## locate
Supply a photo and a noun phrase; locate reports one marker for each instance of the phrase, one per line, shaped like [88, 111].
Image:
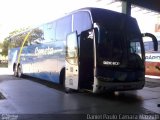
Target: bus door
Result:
[79, 61]
[71, 62]
[86, 60]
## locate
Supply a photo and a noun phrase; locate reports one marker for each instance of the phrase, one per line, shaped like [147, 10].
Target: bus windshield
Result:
[113, 48]
[135, 46]
[110, 45]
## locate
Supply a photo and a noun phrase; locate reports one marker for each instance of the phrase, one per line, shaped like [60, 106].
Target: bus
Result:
[88, 49]
[152, 60]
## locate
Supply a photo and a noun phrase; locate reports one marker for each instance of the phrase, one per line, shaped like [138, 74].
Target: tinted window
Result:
[49, 32]
[135, 46]
[17, 40]
[82, 21]
[64, 27]
[36, 36]
[110, 45]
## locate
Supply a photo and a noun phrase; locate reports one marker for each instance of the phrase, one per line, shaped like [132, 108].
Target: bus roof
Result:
[113, 20]
[99, 15]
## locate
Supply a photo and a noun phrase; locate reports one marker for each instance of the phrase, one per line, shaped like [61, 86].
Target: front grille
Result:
[119, 76]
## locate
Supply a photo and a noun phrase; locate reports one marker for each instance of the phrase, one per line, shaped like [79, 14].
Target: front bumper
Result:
[101, 86]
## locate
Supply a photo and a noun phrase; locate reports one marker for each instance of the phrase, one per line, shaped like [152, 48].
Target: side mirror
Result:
[154, 39]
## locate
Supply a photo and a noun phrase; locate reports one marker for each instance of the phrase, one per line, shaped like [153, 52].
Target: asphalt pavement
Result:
[28, 99]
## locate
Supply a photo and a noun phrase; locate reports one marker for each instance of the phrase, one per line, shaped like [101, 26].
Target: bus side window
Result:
[63, 27]
[82, 21]
[49, 32]
[36, 36]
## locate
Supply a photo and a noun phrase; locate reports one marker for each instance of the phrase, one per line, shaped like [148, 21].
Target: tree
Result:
[1, 46]
[16, 38]
[8, 44]
[5, 47]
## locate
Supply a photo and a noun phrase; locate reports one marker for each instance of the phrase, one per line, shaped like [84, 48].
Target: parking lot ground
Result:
[29, 99]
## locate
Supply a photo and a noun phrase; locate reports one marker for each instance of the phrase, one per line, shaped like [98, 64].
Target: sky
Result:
[15, 14]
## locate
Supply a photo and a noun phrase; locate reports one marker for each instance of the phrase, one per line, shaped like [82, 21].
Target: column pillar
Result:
[126, 7]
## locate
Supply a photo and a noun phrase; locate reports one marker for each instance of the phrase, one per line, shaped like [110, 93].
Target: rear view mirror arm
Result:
[154, 39]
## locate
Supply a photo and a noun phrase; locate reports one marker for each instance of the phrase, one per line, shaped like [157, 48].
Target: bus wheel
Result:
[19, 71]
[15, 72]
[67, 90]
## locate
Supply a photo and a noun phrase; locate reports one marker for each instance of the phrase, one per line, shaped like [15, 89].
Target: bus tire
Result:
[62, 76]
[14, 70]
[19, 71]
[68, 90]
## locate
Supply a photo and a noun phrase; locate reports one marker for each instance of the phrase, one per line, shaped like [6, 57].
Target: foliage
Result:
[1, 45]
[16, 38]
[7, 43]
[5, 47]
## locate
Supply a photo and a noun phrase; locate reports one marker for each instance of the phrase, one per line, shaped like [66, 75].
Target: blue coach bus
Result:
[90, 48]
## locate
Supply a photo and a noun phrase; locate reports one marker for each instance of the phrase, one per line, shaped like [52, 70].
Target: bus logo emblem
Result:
[114, 63]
